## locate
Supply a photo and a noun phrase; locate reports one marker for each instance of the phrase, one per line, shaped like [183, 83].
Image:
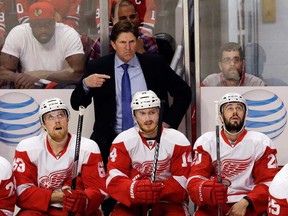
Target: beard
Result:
[233, 74]
[233, 127]
[59, 135]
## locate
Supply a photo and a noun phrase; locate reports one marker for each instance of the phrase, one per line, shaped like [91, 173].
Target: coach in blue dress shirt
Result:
[102, 82]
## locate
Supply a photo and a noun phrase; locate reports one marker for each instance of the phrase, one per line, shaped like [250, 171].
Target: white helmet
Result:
[143, 100]
[51, 105]
[229, 98]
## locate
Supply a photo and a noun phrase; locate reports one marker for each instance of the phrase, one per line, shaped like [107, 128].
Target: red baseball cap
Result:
[61, 6]
[41, 11]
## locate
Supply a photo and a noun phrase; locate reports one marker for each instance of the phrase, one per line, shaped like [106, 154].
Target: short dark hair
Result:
[121, 27]
[121, 3]
[230, 46]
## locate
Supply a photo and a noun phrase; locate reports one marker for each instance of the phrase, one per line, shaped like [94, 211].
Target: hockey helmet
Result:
[144, 99]
[230, 98]
[52, 104]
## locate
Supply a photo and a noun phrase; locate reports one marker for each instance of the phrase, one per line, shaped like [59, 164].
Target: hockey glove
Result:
[74, 201]
[145, 192]
[212, 193]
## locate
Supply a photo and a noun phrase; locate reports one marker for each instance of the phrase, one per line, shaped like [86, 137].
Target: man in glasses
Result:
[231, 64]
[43, 167]
[125, 10]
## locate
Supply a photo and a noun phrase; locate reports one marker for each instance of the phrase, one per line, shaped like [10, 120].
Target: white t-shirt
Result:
[33, 55]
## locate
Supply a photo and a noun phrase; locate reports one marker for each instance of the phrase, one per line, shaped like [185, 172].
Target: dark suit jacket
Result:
[159, 77]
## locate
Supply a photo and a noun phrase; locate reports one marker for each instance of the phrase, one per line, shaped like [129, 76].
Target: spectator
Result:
[147, 14]
[125, 10]
[231, 64]
[67, 11]
[102, 82]
[44, 164]
[131, 163]
[7, 188]
[247, 163]
[43, 51]
[278, 194]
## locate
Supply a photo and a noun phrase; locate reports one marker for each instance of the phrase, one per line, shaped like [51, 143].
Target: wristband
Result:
[250, 204]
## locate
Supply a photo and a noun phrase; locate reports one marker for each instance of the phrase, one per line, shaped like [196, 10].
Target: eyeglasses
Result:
[53, 116]
[131, 17]
[235, 60]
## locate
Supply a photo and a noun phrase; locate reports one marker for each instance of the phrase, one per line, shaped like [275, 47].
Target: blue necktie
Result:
[127, 120]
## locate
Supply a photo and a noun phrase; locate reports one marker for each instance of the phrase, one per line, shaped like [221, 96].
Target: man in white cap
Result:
[44, 164]
[247, 165]
[131, 161]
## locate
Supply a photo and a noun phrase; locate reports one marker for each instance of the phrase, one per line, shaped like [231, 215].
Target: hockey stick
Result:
[218, 162]
[156, 153]
[77, 150]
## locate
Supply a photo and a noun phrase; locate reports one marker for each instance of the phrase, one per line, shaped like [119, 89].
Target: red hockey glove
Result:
[145, 192]
[213, 193]
[74, 201]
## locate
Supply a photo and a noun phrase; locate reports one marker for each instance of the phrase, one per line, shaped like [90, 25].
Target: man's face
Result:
[127, 13]
[233, 116]
[147, 120]
[43, 30]
[56, 124]
[231, 65]
[125, 46]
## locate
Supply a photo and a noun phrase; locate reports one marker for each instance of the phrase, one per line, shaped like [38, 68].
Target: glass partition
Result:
[260, 27]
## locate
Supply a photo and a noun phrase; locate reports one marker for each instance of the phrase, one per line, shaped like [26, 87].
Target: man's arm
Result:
[8, 72]
[175, 185]
[93, 176]
[29, 195]
[70, 74]
[264, 170]
[76, 63]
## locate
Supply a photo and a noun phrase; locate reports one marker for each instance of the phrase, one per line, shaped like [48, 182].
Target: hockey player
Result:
[248, 164]
[131, 160]
[278, 194]
[43, 167]
[7, 188]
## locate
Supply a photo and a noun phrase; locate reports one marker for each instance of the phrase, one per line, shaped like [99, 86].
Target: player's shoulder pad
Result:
[259, 138]
[279, 182]
[174, 136]
[32, 143]
[89, 145]
[127, 135]
[6, 169]
[206, 139]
